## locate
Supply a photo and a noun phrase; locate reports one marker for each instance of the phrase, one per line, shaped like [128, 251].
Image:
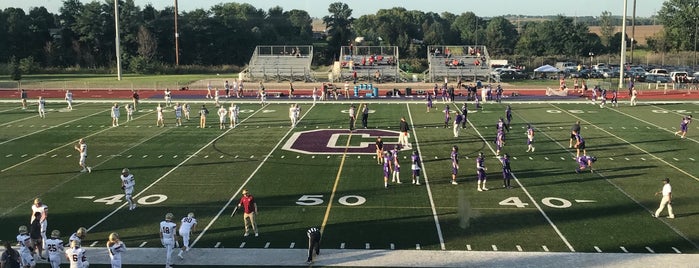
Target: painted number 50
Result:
[317, 199]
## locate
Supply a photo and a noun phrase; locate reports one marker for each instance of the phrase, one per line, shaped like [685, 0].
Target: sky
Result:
[319, 8]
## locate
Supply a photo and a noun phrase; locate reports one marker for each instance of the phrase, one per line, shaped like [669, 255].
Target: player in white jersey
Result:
[42, 208]
[292, 115]
[69, 99]
[76, 256]
[188, 226]
[235, 89]
[115, 247]
[25, 247]
[81, 147]
[168, 97]
[233, 115]
[115, 115]
[160, 122]
[54, 249]
[78, 236]
[129, 112]
[178, 114]
[42, 107]
[127, 184]
[222, 117]
[168, 237]
[186, 109]
[216, 97]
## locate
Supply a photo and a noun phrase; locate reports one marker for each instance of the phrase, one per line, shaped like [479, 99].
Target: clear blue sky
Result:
[489, 8]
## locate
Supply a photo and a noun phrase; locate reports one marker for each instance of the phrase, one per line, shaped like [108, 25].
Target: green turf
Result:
[200, 170]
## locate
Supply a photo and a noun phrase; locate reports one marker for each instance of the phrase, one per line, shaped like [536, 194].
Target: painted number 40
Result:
[146, 200]
[553, 202]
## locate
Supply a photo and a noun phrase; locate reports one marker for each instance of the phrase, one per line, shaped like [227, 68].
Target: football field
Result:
[321, 174]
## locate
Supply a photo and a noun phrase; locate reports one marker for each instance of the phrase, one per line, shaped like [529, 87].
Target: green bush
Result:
[28, 65]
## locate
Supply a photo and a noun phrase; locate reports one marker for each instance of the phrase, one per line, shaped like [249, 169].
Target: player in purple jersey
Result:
[415, 160]
[575, 129]
[603, 98]
[386, 168]
[447, 116]
[480, 171]
[508, 116]
[454, 163]
[530, 138]
[429, 102]
[585, 162]
[684, 125]
[579, 145]
[464, 112]
[500, 125]
[615, 100]
[457, 123]
[506, 172]
[396, 165]
[499, 141]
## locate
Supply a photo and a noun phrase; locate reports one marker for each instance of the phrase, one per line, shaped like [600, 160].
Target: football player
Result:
[222, 117]
[480, 170]
[76, 256]
[25, 247]
[78, 236]
[115, 115]
[69, 99]
[233, 115]
[396, 165]
[115, 248]
[585, 162]
[416, 167]
[54, 247]
[127, 184]
[160, 122]
[188, 226]
[42, 107]
[168, 237]
[454, 164]
[178, 114]
[81, 147]
[530, 138]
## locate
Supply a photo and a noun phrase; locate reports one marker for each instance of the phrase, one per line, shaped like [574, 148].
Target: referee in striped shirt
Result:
[313, 243]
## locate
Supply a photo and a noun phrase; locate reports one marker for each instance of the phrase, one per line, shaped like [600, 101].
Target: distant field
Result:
[642, 31]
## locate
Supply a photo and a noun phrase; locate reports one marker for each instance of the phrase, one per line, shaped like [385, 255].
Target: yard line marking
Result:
[9, 124]
[217, 244]
[393, 246]
[417, 246]
[292, 245]
[366, 246]
[495, 248]
[545, 248]
[442, 245]
[45, 129]
[650, 250]
[242, 245]
[144, 156]
[142, 244]
[236, 194]
[691, 159]
[342, 245]
[676, 250]
[93, 244]
[468, 247]
[624, 249]
[519, 248]
[267, 244]
[598, 249]
[643, 159]
[649, 123]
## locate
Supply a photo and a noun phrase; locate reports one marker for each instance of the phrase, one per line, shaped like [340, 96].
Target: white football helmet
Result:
[191, 215]
[23, 229]
[113, 237]
[81, 232]
[125, 171]
[169, 216]
[55, 234]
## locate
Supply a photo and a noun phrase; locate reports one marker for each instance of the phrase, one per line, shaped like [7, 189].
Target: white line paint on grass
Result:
[45, 129]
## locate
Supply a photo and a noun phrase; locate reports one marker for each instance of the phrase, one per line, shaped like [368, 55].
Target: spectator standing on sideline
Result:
[187, 228]
[313, 243]
[666, 200]
[574, 130]
[365, 115]
[249, 212]
[227, 88]
[115, 115]
[291, 90]
[69, 99]
[415, 159]
[54, 249]
[352, 117]
[168, 237]
[115, 247]
[315, 95]
[403, 138]
[346, 89]
[208, 90]
[454, 164]
[134, 98]
[23, 96]
[203, 112]
[506, 172]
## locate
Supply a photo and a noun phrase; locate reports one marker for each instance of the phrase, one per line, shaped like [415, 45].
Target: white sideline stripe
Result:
[677, 231]
[45, 129]
[168, 173]
[442, 245]
[54, 149]
[264, 160]
[526, 192]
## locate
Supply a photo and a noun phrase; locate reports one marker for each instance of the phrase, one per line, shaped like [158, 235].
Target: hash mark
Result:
[393, 246]
[242, 245]
[160, 156]
[9, 155]
[174, 156]
[417, 246]
[366, 246]
[519, 248]
[624, 249]
[267, 245]
[24, 155]
[650, 250]
[220, 156]
[495, 248]
[342, 245]
[142, 244]
[206, 156]
[691, 159]
[468, 247]
[626, 158]
[675, 159]
[676, 250]
[144, 156]
[129, 156]
[218, 244]
[292, 245]
[546, 157]
[545, 248]
[598, 249]
[54, 156]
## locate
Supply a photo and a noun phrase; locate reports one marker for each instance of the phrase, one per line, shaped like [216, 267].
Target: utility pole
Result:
[623, 47]
[177, 39]
[117, 41]
[633, 29]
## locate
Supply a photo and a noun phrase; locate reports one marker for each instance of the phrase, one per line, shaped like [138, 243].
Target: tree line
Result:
[82, 35]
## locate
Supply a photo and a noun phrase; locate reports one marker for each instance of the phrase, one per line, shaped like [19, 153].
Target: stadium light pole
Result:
[177, 39]
[117, 41]
[623, 46]
[633, 29]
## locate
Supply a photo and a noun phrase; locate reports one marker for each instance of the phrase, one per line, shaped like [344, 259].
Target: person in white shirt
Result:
[233, 115]
[42, 107]
[168, 237]
[168, 97]
[222, 117]
[129, 112]
[78, 236]
[115, 247]
[666, 200]
[69, 99]
[127, 184]
[188, 227]
[54, 247]
[42, 208]
[634, 94]
[161, 118]
[216, 97]
[292, 115]
[115, 115]
[187, 109]
[178, 114]
[81, 147]
[25, 244]
[76, 256]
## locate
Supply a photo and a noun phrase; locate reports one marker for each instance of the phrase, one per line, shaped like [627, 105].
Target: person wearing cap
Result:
[249, 212]
[666, 200]
[168, 237]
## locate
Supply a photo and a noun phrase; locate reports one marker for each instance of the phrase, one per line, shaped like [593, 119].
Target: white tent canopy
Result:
[546, 69]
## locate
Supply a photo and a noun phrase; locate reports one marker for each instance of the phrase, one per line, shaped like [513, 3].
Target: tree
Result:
[680, 19]
[606, 28]
[339, 27]
[147, 44]
[500, 36]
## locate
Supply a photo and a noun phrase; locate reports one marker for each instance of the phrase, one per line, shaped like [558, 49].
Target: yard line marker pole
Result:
[169, 172]
[235, 195]
[427, 184]
[526, 192]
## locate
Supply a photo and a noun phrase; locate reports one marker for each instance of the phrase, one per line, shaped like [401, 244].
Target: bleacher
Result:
[373, 64]
[279, 63]
[454, 61]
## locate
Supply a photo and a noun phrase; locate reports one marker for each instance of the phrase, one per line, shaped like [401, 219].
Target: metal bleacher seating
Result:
[279, 63]
[372, 63]
[454, 61]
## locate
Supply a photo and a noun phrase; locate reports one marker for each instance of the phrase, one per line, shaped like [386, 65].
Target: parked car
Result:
[510, 75]
[657, 78]
[606, 72]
